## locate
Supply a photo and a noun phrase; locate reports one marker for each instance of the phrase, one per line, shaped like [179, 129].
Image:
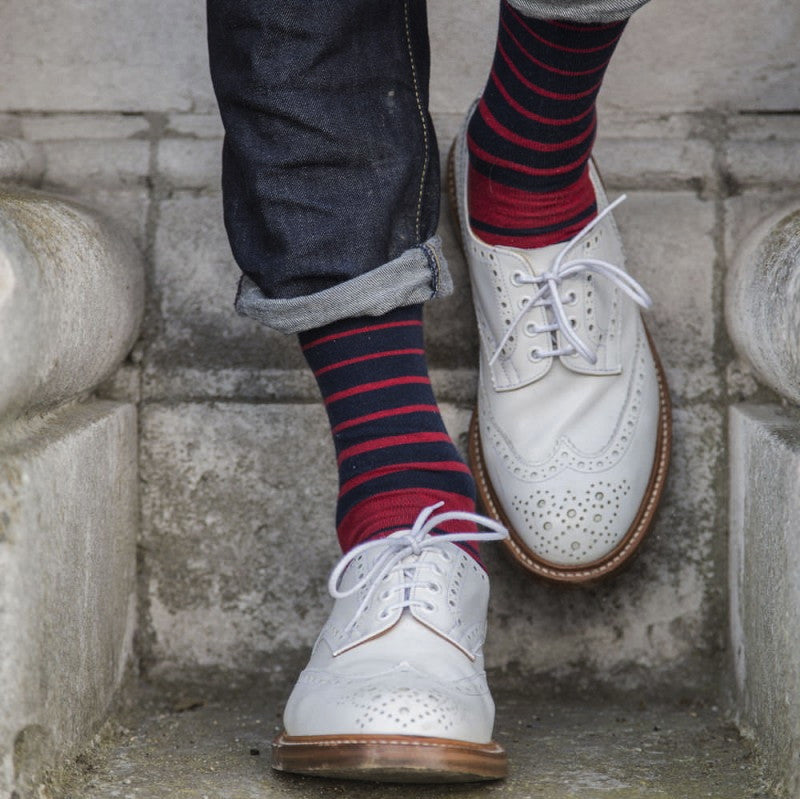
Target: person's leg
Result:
[531, 136]
[331, 204]
[330, 167]
[570, 443]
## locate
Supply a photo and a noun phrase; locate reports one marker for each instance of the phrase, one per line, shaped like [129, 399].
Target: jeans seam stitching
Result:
[433, 265]
[418, 222]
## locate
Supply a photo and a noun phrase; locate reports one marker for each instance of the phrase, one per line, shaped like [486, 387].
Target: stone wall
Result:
[236, 468]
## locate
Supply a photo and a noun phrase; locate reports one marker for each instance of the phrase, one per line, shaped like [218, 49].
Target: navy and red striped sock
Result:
[394, 454]
[531, 135]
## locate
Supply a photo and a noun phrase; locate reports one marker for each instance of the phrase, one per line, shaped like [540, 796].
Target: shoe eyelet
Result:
[571, 299]
[430, 607]
[384, 595]
[434, 588]
[534, 354]
[383, 615]
[523, 301]
[516, 278]
[531, 329]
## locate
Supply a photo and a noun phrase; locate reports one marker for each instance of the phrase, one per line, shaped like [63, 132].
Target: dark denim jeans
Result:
[330, 164]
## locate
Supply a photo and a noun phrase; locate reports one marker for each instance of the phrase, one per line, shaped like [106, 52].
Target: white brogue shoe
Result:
[395, 689]
[571, 438]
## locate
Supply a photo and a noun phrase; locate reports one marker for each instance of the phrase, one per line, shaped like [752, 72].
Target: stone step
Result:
[765, 581]
[203, 742]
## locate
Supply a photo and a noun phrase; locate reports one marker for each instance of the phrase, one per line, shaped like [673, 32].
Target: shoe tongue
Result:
[538, 260]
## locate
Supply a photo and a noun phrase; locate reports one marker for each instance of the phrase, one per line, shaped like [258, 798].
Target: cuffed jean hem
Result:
[581, 11]
[418, 275]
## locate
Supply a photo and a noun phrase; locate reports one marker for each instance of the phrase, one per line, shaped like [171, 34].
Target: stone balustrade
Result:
[71, 300]
[763, 314]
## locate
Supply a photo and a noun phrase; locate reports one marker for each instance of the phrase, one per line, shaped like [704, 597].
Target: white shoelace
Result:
[548, 284]
[399, 546]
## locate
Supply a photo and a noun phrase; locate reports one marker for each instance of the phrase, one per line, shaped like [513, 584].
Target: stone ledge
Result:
[765, 582]
[71, 300]
[68, 525]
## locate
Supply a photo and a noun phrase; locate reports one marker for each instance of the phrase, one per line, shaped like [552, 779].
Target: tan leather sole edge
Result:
[389, 758]
[627, 548]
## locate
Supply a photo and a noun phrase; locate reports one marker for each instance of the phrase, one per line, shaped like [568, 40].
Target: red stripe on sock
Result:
[434, 466]
[390, 441]
[505, 206]
[530, 114]
[397, 510]
[527, 170]
[561, 47]
[359, 330]
[370, 357]
[515, 210]
[549, 67]
[540, 90]
[560, 23]
[372, 417]
[376, 386]
[542, 147]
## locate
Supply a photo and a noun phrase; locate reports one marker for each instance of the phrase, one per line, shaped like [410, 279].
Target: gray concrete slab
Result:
[238, 540]
[765, 581]
[68, 520]
[197, 744]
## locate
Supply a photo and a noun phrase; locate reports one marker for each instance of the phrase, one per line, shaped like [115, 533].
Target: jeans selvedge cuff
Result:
[580, 11]
[418, 275]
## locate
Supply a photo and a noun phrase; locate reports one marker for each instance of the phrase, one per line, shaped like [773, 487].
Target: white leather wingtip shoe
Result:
[395, 689]
[570, 441]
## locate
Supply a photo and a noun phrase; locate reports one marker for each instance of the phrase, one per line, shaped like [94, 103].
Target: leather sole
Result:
[389, 758]
[622, 554]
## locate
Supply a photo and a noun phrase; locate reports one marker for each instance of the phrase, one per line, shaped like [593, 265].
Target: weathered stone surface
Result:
[125, 56]
[107, 163]
[66, 127]
[150, 56]
[68, 523]
[746, 210]
[71, 297]
[195, 285]
[238, 531]
[758, 163]
[239, 539]
[201, 126]
[736, 58]
[561, 745]
[191, 163]
[669, 242]
[20, 161]
[765, 581]
[657, 163]
[763, 301]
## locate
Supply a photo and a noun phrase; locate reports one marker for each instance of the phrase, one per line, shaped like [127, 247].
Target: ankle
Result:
[388, 512]
[512, 217]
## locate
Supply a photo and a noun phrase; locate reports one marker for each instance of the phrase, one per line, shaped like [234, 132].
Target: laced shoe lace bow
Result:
[548, 284]
[396, 548]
